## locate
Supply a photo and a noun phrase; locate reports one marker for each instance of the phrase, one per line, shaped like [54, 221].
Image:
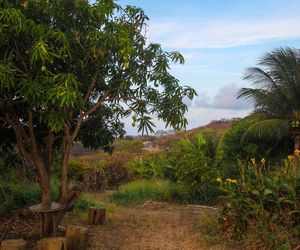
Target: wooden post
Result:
[15, 244]
[52, 243]
[96, 216]
[77, 237]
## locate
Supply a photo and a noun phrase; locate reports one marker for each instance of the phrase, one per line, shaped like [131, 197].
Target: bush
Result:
[18, 195]
[76, 170]
[109, 173]
[263, 206]
[236, 148]
[116, 171]
[133, 146]
[17, 192]
[84, 204]
[151, 166]
[195, 168]
[94, 176]
[139, 191]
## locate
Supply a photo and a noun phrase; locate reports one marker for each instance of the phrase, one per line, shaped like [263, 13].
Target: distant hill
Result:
[135, 144]
[218, 126]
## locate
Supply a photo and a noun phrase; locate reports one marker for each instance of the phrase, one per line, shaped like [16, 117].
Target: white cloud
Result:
[222, 33]
[199, 116]
[226, 98]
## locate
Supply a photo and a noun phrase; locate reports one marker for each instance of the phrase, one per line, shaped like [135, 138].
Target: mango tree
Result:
[71, 70]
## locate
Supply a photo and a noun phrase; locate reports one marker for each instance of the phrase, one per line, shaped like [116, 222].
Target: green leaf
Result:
[267, 192]
[7, 77]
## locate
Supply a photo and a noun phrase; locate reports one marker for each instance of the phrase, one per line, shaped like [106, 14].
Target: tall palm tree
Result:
[276, 95]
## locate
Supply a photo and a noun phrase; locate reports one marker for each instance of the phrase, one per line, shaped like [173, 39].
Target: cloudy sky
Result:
[219, 40]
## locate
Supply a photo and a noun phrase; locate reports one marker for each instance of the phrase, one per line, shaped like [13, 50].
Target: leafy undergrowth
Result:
[137, 192]
[16, 191]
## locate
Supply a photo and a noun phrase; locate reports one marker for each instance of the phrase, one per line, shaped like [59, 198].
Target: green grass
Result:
[16, 191]
[137, 192]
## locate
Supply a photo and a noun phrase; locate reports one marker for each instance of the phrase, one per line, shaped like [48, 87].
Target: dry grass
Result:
[153, 225]
[170, 227]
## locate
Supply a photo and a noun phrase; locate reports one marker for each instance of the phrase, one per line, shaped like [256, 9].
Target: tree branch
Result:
[18, 134]
[91, 86]
[31, 132]
[87, 113]
[101, 99]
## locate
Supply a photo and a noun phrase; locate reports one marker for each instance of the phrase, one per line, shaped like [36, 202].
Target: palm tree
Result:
[276, 95]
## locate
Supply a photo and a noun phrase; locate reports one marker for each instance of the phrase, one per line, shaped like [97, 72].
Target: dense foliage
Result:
[73, 70]
[190, 162]
[263, 205]
[275, 95]
[235, 147]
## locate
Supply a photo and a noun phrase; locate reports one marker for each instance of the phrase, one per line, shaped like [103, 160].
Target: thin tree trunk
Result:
[64, 170]
[44, 180]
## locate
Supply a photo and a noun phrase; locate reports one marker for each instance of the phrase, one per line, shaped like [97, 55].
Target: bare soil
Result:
[153, 225]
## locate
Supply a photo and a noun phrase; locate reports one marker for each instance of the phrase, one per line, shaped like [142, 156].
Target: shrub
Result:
[109, 173]
[84, 204]
[194, 168]
[263, 206]
[133, 146]
[76, 170]
[139, 191]
[116, 171]
[236, 148]
[94, 176]
[17, 192]
[18, 195]
[152, 166]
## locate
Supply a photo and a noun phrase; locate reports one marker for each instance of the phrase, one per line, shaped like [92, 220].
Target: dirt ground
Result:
[152, 225]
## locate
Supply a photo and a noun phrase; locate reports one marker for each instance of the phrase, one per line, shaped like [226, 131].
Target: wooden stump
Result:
[52, 243]
[77, 237]
[96, 216]
[16, 244]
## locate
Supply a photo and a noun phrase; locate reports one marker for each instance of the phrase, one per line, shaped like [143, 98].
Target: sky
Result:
[219, 39]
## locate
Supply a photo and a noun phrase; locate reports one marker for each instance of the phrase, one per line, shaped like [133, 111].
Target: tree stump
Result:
[77, 237]
[52, 243]
[96, 216]
[15, 244]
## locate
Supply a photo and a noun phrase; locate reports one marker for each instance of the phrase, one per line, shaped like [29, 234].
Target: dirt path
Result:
[152, 226]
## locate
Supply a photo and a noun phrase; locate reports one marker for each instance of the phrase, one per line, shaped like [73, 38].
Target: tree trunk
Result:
[96, 216]
[77, 237]
[64, 170]
[53, 243]
[44, 181]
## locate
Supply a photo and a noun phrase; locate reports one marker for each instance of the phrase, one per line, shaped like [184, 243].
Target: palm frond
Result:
[268, 129]
[260, 78]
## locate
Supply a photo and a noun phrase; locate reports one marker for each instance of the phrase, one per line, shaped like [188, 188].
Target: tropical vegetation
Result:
[71, 71]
